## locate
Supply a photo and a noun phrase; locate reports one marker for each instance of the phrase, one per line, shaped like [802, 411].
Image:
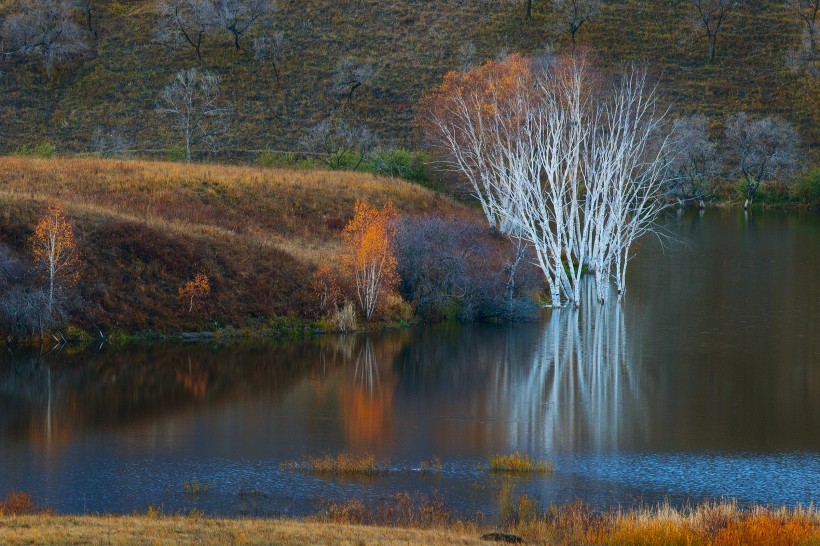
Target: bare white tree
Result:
[576, 173]
[762, 149]
[266, 49]
[187, 22]
[709, 17]
[572, 14]
[807, 55]
[194, 103]
[693, 160]
[237, 16]
[46, 30]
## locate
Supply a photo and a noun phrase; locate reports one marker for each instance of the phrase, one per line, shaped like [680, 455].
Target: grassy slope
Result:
[413, 43]
[147, 227]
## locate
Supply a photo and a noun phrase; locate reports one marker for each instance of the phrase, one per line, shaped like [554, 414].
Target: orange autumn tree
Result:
[473, 116]
[368, 256]
[195, 292]
[55, 254]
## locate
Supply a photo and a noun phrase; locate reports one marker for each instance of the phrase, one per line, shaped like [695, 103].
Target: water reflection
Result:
[697, 384]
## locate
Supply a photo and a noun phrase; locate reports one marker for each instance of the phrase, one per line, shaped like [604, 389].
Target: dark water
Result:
[705, 383]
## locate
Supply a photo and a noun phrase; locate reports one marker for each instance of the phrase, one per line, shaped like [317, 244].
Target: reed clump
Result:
[516, 463]
[343, 464]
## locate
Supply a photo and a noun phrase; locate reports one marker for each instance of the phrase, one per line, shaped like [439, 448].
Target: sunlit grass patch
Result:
[516, 463]
[343, 464]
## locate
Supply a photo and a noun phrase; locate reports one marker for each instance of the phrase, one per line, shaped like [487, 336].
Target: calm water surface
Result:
[705, 383]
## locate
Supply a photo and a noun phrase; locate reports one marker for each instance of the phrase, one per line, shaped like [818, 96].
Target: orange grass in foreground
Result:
[718, 524]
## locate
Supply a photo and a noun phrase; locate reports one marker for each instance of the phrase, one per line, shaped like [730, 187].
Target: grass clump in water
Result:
[343, 464]
[517, 463]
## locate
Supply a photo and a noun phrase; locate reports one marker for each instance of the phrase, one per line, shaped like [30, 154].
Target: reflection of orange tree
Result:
[366, 396]
[193, 380]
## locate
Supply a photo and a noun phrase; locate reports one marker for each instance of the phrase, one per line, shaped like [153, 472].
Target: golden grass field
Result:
[145, 228]
[720, 524]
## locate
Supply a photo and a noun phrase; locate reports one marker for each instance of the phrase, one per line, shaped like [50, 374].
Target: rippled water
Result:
[704, 383]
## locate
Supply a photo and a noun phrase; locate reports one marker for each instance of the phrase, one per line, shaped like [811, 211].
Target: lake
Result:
[704, 383]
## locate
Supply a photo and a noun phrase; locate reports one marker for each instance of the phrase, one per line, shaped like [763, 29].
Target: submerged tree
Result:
[368, 256]
[46, 30]
[762, 149]
[555, 161]
[193, 101]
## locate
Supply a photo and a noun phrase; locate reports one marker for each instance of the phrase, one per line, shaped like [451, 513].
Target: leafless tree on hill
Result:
[350, 76]
[572, 14]
[46, 30]
[89, 9]
[237, 16]
[807, 55]
[193, 101]
[336, 142]
[187, 22]
[709, 18]
[266, 49]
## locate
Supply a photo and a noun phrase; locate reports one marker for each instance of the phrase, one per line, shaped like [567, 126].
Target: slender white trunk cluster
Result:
[578, 174]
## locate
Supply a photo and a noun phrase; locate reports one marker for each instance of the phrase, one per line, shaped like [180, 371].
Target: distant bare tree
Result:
[187, 21]
[193, 101]
[89, 9]
[693, 160]
[335, 143]
[572, 14]
[237, 16]
[762, 149]
[466, 56]
[45, 29]
[268, 48]
[709, 16]
[111, 143]
[350, 76]
[807, 56]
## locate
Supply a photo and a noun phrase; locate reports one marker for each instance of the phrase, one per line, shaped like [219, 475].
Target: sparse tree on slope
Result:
[187, 22]
[572, 14]
[46, 30]
[237, 16]
[807, 55]
[709, 17]
[193, 101]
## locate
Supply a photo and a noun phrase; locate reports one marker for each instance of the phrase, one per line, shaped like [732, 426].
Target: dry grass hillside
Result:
[412, 44]
[145, 228]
